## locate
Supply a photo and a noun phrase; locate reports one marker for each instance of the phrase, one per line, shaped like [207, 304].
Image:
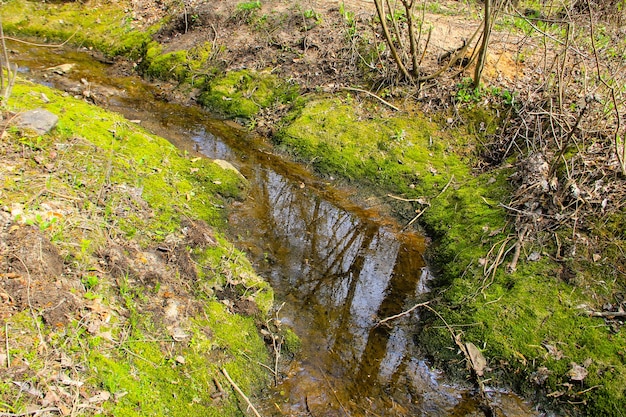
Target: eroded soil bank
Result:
[527, 299]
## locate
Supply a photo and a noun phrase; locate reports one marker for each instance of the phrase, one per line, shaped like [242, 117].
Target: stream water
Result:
[337, 267]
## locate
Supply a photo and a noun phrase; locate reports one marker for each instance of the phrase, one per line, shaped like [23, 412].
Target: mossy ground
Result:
[106, 26]
[148, 334]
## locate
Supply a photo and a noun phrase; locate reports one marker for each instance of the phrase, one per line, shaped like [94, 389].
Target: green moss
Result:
[145, 167]
[151, 380]
[106, 26]
[244, 93]
[191, 66]
[292, 341]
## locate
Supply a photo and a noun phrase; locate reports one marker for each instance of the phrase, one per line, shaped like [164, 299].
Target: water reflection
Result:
[341, 272]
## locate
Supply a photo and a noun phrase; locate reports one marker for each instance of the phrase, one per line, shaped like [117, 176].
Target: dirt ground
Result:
[317, 43]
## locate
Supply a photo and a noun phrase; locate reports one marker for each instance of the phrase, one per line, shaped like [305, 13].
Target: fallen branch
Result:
[372, 95]
[31, 413]
[404, 313]
[240, 392]
[606, 313]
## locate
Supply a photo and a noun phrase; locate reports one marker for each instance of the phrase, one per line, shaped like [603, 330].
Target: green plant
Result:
[248, 6]
[41, 222]
[312, 14]
[466, 92]
[90, 281]
[350, 20]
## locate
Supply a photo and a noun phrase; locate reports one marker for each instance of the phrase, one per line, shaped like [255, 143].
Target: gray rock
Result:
[228, 166]
[39, 120]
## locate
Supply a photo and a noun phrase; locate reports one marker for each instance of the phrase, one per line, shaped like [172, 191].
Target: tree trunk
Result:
[482, 53]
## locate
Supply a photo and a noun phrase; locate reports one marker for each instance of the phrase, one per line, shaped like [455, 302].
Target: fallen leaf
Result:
[100, 397]
[553, 351]
[28, 388]
[478, 361]
[66, 380]
[61, 69]
[577, 373]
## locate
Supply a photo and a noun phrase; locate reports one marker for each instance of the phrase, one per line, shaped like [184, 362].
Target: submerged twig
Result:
[404, 313]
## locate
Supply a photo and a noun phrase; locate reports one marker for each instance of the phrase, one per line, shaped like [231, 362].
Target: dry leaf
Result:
[28, 388]
[478, 361]
[66, 380]
[100, 398]
[577, 373]
[553, 351]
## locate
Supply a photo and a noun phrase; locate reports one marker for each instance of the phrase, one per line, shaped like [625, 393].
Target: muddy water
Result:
[337, 268]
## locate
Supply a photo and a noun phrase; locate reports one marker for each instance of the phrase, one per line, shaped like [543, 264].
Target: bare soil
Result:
[316, 44]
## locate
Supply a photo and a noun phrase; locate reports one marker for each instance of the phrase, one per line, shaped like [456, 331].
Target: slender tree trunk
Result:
[408, 8]
[482, 53]
[394, 52]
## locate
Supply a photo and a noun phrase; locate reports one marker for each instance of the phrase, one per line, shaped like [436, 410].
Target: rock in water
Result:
[39, 120]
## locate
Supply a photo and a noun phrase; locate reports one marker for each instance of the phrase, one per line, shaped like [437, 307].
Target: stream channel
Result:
[336, 268]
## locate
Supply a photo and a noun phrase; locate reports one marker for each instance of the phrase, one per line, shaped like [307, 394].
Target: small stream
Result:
[337, 267]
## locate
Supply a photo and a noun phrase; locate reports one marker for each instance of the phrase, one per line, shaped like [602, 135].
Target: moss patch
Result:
[245, 93]
[106, 26]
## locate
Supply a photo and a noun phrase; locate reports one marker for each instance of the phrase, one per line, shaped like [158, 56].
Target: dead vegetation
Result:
[568, 133]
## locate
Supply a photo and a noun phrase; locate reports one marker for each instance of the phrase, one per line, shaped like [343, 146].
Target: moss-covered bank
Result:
[134, 259]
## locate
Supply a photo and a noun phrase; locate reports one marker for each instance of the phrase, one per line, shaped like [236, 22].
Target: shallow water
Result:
[337, 267]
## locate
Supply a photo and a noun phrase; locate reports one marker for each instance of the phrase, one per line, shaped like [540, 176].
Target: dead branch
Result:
[606, 313]
[32, 412]
[240, 392]
[371, 95]
[404, 313]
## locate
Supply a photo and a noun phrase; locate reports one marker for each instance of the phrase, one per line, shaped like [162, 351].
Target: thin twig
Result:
[414, 219]
[372, 95]
[446, 187]
[240, 392]
[404, 313]
[418, 215]
[31, 413]
[334, 391]
[6, 339]
[42, 45]
[30, 306]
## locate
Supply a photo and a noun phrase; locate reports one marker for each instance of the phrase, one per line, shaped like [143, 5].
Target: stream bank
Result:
[336, 269]
[545, 339]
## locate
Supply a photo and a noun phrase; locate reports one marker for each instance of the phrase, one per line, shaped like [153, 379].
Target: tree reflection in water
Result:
[340, 272]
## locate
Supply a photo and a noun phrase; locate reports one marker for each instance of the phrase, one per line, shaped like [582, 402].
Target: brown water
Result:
[337, 267]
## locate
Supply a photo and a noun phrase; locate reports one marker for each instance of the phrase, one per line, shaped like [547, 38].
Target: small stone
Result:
[40, 120]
